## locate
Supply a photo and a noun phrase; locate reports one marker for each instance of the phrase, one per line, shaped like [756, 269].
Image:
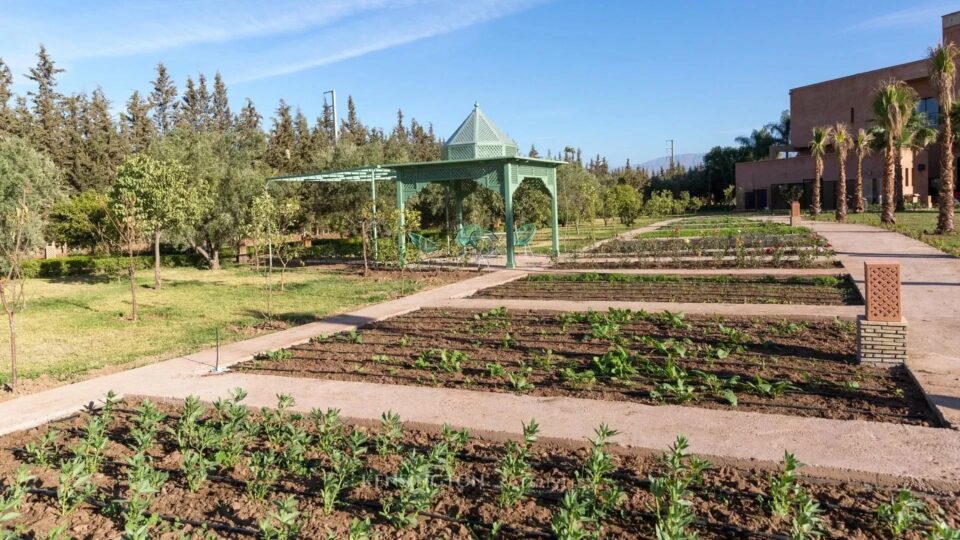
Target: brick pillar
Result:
[795, 213]
[882, 330]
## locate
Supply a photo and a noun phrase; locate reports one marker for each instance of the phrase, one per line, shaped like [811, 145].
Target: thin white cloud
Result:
[388, 29]
[905, 18]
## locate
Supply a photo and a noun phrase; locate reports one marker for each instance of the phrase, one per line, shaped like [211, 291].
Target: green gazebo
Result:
[477, 151]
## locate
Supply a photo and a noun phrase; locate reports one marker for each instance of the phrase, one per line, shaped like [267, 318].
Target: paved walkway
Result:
[931, 303]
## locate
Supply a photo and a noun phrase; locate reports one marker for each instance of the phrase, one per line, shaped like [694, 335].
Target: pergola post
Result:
[373, 198]
[507, 191]
[458, 202]
[401, 226]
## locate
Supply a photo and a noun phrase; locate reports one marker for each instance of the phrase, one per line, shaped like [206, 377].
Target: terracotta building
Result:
[849, 99]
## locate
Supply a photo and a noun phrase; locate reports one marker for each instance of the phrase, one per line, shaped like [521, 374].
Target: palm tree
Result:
[943, 71]
[861, 147]
[892, 109]
[916, 135]
[841, 143]
[780, 129]
[818, 147]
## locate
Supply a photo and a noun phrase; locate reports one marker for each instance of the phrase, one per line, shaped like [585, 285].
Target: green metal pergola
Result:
[477, 151]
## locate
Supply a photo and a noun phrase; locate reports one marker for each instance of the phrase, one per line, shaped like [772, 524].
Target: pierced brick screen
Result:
[883, 292]
[795, 209]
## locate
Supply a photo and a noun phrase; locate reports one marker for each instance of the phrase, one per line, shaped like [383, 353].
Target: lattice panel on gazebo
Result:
[883, 292]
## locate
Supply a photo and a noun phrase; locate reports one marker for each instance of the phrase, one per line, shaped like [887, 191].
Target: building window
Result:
[851, 115]
[930, 107]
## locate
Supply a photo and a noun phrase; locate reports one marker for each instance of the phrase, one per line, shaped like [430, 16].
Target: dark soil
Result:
[816, 290]
[556, 351]
[726, 503]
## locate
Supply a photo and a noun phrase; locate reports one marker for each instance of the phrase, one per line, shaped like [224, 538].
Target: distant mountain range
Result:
[687, 160]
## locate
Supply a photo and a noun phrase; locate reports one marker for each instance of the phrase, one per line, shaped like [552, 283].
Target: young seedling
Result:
[519, 379]
[615, 364]
[515, 475]
[284, 522]
[807, 523]
[600, 490]
[388, 441]
[90, 449]
[265, 471]
[570, 521]
[344, 474]
[195, 468]
[144, 483]
[11, 499]
[359, 530]
[147, 424]
[783, 486]
[415, 491]
[671, 491]
[902, 514]
[75, 485]
[43, 452]
[495, 371]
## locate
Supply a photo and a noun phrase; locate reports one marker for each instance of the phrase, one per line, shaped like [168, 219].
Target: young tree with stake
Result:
[29, 186]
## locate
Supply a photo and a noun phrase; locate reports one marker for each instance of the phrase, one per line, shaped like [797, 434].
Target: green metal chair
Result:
[484, 243]
[462, 239]
[425, 246]
[523, 237]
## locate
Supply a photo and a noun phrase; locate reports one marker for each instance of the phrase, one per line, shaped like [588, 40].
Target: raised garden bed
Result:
[816, 290]
[767, 365]
[747, 250]
[142, 470]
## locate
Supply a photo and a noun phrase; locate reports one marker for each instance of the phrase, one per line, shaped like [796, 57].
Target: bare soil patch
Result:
[463, 479]
[804, 368]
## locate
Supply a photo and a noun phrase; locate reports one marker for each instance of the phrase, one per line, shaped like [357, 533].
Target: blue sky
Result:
[617, 77]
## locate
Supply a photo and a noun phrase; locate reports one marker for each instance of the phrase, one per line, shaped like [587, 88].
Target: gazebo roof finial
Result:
[478, 138]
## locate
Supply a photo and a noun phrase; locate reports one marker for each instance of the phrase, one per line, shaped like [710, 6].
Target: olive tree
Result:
[29, 186]
[164, 197]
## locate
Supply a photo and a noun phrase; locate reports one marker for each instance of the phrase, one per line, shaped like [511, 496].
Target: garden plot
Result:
[753, 289]
[743, 250]
[139, 469]
[767, 365]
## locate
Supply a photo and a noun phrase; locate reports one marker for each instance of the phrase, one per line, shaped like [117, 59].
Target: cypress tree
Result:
[203, 120]
[46, 106]
[280, 146]
[104, 147]
[220, 113]
[6, 113]
[140, 129]
[164, 100]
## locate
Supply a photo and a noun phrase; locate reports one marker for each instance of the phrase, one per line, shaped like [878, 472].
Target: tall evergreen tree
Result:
[73, 160]
[249, 119]
[533, 152]
[352, 129]
[220, 115]
[104, 147]
[304, 153]
[140, 130]
[163, 98]
[280, 145]
[47, 115]
[6, 113]
[203, 104]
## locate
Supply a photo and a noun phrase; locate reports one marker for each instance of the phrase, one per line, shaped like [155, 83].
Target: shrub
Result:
[84, 265]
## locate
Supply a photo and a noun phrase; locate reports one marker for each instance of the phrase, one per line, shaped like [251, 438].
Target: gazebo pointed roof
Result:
[478, 138]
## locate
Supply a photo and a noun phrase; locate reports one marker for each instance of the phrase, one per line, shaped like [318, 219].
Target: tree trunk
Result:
[9, 308]
[945, 218]
[132, 275]
[898, 196]
[841, 213]
[156, 259]
[215, 260]
[886, 215]
[815, 199]
[858, 204]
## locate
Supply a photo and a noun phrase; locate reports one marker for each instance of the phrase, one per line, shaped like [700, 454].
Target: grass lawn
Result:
[571, 240]
[915, 224]
[72, 326]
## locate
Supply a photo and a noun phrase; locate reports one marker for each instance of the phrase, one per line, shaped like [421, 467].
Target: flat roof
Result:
[905, 65]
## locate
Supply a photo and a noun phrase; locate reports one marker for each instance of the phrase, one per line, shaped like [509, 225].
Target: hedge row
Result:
[99, 266]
